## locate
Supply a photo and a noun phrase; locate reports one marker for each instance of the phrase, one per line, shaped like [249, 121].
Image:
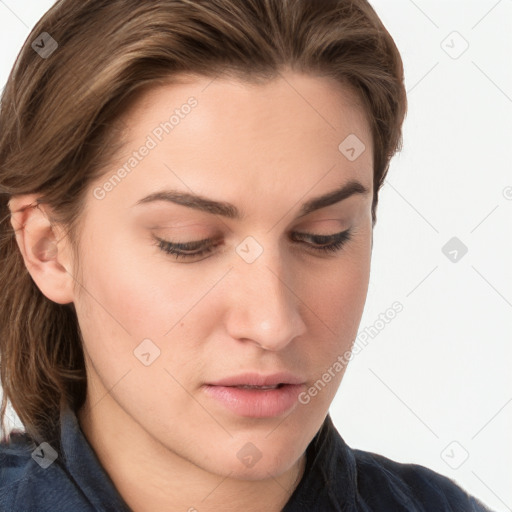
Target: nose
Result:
[264, 307]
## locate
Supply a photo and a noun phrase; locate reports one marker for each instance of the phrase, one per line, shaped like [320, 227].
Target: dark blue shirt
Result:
[70, 477]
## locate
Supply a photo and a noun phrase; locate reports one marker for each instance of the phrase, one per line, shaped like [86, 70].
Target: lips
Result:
[255, 395]
[259, 387]
[259, 380]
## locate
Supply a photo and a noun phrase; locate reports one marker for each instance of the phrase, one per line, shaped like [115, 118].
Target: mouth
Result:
[256, 396]
[246, 386]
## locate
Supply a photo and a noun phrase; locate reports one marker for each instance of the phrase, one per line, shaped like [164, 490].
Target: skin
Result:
[266, 149]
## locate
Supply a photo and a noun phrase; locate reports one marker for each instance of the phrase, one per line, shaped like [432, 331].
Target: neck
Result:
[149, 476]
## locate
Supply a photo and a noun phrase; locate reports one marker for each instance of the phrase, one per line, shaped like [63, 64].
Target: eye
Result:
[195, 249]
[181, 250]
[327, 243]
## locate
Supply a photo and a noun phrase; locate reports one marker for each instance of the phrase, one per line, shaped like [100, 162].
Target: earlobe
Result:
[45, 255]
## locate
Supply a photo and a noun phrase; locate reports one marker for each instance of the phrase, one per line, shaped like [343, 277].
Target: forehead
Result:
[217, 137]
[291, 97]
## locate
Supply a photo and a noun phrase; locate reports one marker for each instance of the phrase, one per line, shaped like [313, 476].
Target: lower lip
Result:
[255, 403]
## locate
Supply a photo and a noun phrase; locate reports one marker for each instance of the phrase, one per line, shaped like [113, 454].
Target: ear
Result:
[44, 247]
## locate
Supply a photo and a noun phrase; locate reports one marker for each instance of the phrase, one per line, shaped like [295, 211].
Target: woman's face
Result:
[162, 332]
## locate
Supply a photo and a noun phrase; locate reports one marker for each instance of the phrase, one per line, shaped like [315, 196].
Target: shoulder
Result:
[28, 484]
[15, 457]
[410, 485]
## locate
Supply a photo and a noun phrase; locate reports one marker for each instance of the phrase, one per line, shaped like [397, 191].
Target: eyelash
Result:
[338, 241]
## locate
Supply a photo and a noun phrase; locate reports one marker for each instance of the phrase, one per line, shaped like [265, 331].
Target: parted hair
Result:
[58, 132]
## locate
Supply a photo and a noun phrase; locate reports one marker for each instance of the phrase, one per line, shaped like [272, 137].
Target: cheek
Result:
[338, 295]
[126, 301]
[347, 297]
[131, 288]
[134, 294]
[335, 302]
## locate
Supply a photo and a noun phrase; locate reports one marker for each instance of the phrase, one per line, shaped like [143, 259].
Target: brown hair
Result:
[57, 133]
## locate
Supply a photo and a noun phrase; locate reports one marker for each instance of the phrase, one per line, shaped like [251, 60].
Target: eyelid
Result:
[194, 244]
[331, 243]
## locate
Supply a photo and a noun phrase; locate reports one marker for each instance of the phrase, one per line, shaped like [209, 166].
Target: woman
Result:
[189, 195]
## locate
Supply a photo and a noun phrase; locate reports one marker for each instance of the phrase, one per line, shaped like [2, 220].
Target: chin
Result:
[256, 461]
[263, 470]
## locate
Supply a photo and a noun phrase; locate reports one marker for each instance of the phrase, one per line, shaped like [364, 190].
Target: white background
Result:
[433, 386]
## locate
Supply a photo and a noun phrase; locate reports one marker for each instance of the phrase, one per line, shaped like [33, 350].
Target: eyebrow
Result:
[231, 211]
